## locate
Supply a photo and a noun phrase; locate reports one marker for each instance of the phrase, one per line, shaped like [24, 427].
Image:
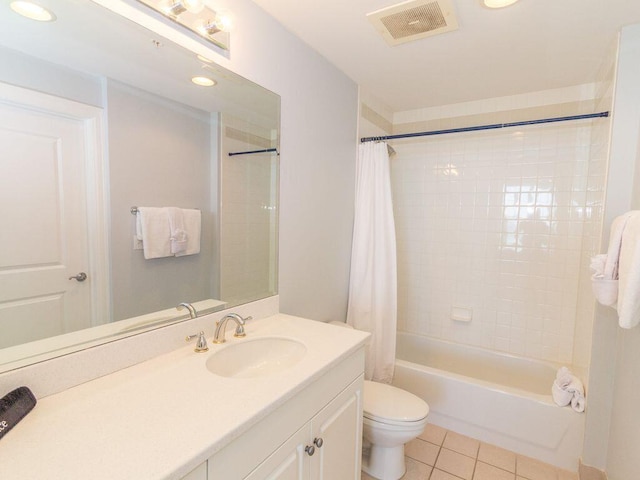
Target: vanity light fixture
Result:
[176, 7]
[32, 11]
[203, 81]
[207, 23]
[498, 3]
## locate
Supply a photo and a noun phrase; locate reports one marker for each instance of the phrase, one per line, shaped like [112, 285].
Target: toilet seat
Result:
[392, 406]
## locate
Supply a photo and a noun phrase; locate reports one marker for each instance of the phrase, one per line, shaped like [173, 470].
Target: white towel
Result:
[152, 227]
[629, 273]
[178, 234]
[615, 243]
[568, 389]
[192, 225]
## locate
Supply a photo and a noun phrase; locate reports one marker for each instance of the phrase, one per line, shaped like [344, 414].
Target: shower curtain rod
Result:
[251, 152]
[484, 127]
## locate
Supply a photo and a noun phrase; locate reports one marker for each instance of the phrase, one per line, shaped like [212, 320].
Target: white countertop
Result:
[161, 418]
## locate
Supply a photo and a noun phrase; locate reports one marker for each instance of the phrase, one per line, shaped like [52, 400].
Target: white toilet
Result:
[391, 418]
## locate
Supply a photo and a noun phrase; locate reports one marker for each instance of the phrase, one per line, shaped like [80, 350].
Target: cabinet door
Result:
[339, 426]
[289, 462]
[198, 473]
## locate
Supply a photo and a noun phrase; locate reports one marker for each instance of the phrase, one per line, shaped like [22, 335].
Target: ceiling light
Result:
[32, 11]
[498, 3]
[203, 81]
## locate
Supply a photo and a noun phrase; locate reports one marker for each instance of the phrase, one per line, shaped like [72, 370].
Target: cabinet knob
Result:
[318, 442]
[310, 450]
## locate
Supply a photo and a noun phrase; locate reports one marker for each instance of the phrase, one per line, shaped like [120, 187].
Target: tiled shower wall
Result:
[490, 225]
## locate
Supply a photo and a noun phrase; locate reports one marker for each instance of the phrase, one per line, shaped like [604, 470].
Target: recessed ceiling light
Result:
[203, 81]
[204, 59]
[498, 3]
[32, 11]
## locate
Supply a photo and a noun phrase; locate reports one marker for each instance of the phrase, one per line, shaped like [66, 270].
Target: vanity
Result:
[171, 418]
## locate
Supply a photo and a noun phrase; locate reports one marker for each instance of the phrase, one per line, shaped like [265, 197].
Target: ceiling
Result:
[530, 46]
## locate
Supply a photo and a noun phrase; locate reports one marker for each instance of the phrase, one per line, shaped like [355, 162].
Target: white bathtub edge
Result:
[497, 416]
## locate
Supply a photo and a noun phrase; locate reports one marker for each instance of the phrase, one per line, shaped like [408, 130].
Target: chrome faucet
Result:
[218, 336]
[188, 306]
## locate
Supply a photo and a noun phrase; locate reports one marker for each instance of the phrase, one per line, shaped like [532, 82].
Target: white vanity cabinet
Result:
[315, 435]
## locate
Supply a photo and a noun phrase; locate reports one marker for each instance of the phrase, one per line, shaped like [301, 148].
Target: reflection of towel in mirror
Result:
[178, 234]
[192, 226]
[152, 227]
[568, 389]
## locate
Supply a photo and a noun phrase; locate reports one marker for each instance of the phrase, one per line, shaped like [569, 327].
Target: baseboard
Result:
[585, 472]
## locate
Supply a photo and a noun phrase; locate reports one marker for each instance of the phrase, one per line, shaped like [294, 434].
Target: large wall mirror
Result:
[97, 116]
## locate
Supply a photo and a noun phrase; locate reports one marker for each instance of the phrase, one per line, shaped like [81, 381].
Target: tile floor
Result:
[440, 454]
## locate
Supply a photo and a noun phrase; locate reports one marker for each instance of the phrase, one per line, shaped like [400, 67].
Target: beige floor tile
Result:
[488, 472]
[440, 475]
[498, 457]
[416, 470]
[532, 469]
[433, 434]
[422, 451]
[564, 475]
[459, 443]
[455, 463]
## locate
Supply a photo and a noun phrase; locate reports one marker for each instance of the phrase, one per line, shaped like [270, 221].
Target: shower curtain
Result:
[373, 280]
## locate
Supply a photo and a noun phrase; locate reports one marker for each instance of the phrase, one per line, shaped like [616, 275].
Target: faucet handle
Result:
[201, 344]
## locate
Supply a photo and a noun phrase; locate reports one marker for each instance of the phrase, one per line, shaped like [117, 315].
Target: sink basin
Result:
[256, 358]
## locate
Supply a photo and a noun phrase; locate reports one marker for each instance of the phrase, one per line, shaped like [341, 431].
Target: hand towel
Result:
[629, 273]
[576, 389]
[615, 243]
[192, 225]
[152, 227]
[178, 236]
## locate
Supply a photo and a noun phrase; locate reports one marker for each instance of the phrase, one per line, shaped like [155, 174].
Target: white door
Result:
[43, 215]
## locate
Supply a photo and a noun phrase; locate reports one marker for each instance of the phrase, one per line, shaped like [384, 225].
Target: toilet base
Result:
[385, 463]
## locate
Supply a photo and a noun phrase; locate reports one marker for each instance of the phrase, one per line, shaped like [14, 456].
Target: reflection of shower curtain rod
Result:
[251, 152]
[485, 127]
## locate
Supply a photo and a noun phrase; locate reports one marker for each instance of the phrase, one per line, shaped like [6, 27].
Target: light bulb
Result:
[193, 6]
[224, 21]
[32, 11]
[498, 3]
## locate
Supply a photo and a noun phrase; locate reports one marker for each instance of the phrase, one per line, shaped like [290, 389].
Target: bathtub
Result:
[494, 397]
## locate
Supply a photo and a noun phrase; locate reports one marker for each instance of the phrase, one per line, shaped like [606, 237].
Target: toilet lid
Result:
[386, 402]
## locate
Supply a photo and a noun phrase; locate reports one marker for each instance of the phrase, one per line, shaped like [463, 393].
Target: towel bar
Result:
[134, 210]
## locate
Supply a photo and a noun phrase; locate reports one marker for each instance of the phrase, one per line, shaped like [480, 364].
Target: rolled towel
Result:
[578, 403]
[560, 395]
[567, 389]
[576, 389]
[564, 377]
[598, 263]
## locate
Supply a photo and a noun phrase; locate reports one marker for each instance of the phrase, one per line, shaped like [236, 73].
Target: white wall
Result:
[615, 379]
[159, 155]
[317, 164]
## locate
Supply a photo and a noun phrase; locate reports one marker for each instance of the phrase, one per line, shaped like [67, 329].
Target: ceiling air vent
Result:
[413, 20]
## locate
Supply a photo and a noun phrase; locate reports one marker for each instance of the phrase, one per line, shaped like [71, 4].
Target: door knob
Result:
[318, 442]
[310, 450]
[81, 277]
